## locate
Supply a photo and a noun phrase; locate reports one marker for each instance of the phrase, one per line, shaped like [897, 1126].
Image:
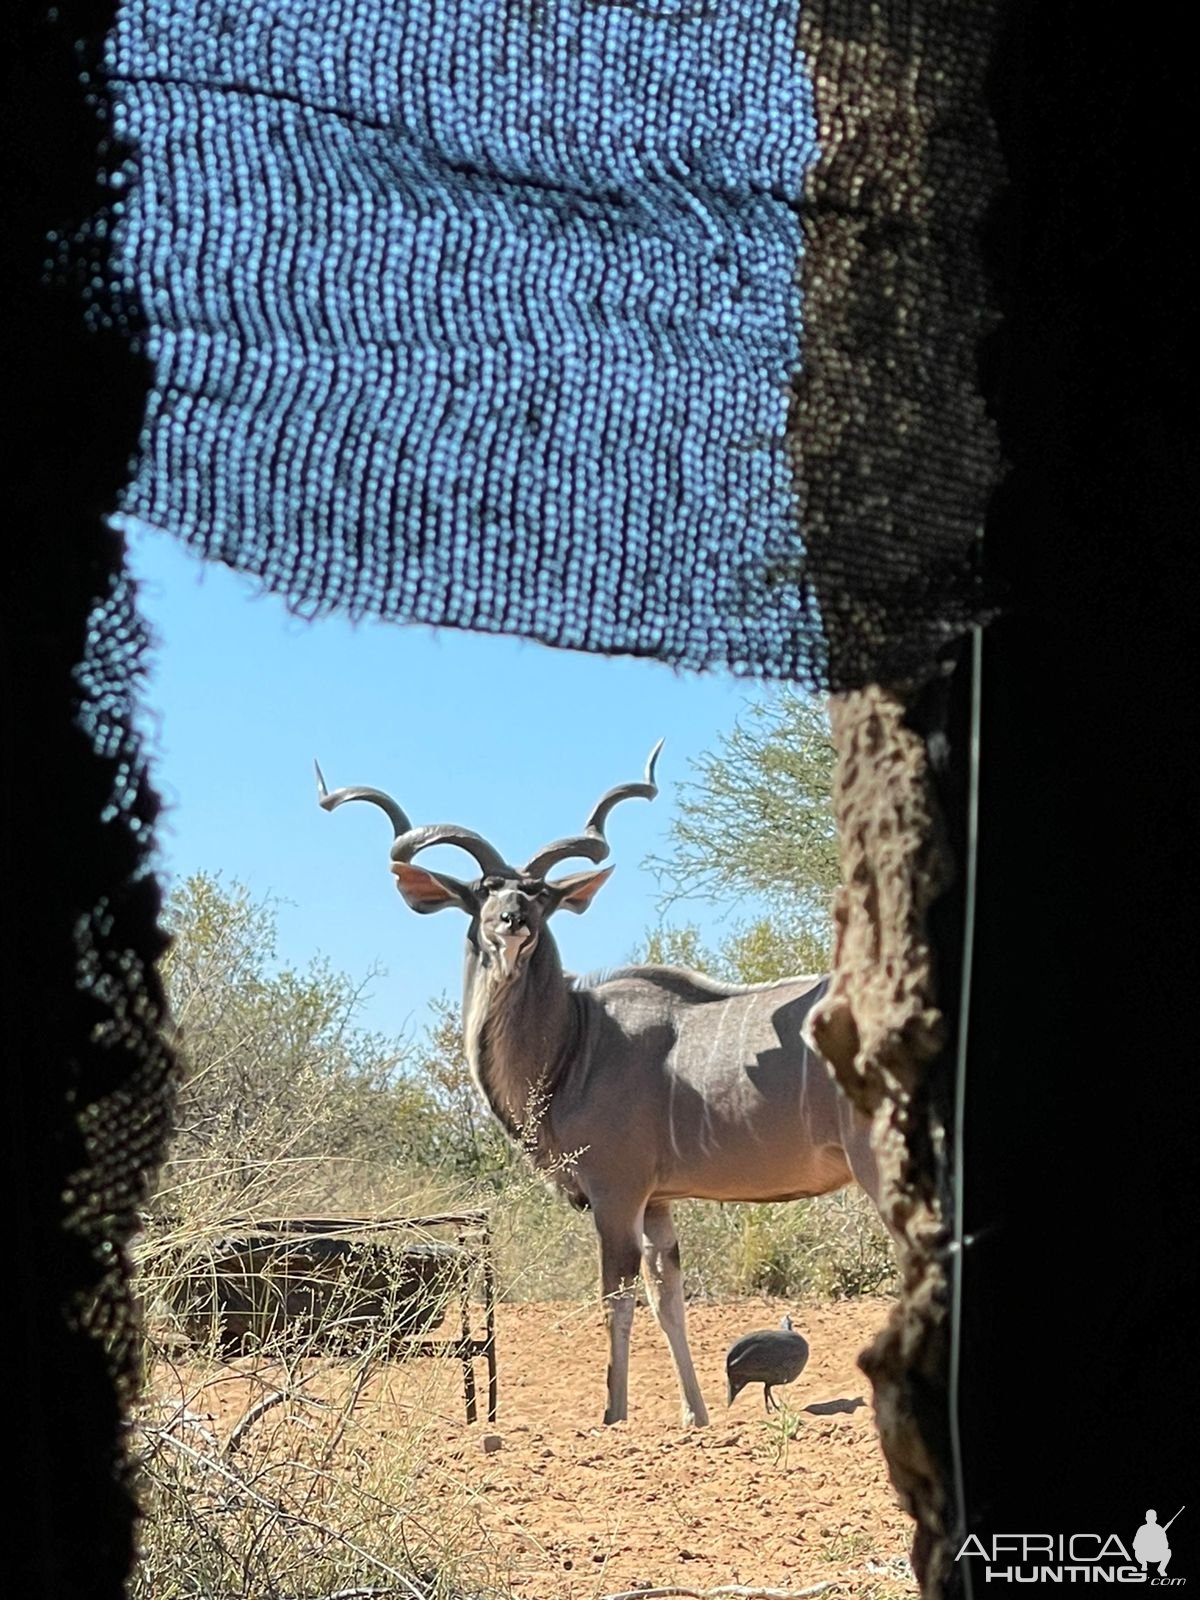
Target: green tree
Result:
[755, 952]
[774, 947]
[466, 1141]
[757, 819]
[679, 946]
[281, 1087]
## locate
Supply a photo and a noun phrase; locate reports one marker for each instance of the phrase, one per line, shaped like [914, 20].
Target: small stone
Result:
[490, 1443]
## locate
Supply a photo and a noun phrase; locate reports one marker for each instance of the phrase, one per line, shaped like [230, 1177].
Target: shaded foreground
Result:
[550, 1505]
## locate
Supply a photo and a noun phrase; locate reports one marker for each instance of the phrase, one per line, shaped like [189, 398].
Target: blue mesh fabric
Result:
[477, 313]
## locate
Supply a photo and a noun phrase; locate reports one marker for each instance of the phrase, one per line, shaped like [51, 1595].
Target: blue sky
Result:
[512, 739]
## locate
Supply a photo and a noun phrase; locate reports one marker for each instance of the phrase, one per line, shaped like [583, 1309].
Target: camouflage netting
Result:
[644, 328]
[87, 1080]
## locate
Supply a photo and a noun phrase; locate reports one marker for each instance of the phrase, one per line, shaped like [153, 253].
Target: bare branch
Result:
[361, 1592]
[181, 1418]
[208, 1464]
[251, 1417]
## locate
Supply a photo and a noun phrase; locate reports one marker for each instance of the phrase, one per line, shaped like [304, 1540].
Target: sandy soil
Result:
[563, 1508]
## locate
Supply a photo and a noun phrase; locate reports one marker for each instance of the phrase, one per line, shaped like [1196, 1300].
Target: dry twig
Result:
[246, 1422]
[182, 1417]
[219, 1469]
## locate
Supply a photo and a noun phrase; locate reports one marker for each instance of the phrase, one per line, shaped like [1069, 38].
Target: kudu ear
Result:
[426, 891]
[577, 892]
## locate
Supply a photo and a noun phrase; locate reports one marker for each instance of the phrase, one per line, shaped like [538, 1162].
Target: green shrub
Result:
[833, 1247]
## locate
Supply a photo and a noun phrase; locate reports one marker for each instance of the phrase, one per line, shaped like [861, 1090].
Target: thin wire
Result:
[957, 1251]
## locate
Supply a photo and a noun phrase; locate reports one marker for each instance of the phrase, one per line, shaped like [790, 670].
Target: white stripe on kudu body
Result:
[650, 1086]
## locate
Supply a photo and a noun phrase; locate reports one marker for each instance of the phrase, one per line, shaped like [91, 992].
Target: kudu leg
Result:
[619, 1257]
[664, 1285]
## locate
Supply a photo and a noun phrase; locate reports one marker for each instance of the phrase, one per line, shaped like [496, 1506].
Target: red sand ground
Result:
[563, 1508]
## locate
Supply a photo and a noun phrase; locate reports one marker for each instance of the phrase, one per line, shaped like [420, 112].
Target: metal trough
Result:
[336, 1286]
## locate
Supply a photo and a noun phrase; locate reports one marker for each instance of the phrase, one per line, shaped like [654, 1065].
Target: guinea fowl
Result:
[771, 1356]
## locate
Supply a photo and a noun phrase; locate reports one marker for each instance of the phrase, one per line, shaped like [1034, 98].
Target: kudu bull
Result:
[651, 1086]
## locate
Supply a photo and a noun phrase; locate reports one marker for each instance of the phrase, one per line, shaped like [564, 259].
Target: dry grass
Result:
[263, 1475]
[831, 1248]
[266, 1479]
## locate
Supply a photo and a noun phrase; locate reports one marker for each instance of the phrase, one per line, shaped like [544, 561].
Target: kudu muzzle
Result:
[512, 929]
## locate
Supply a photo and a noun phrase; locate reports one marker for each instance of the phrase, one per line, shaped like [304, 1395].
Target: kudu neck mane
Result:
[519, 1033]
